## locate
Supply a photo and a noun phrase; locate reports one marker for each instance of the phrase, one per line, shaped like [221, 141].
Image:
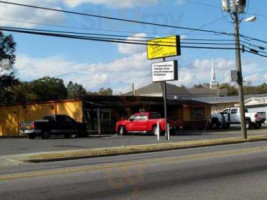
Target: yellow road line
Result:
[162, 161]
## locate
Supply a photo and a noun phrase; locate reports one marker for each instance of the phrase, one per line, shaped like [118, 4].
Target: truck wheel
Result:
[154, 130]
[122, 130]
[82, 133]
[70, 135]
[248, 124]
[45, 135]
[257, 125]
[32, 136]
[215, 123]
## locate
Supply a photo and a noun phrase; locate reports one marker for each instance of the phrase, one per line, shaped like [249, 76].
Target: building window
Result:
[197, 113]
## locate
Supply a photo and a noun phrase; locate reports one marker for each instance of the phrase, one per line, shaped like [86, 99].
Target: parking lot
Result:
[10, 146]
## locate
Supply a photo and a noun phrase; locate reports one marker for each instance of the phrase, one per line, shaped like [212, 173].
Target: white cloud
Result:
[180, 2]
[121, 73]
[117, 75]
[253, 78]
[112, 3]
[219, 64]
[129, 49]
[11, 15]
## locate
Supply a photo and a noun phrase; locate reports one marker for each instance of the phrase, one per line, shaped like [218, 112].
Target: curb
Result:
[114, 151]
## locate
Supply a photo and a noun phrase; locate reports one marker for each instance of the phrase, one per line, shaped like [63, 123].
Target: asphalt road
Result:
[223, 172]
[24, 145]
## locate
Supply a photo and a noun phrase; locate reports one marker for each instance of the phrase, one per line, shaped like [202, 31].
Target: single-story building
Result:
[12, 115]
[257, 103]
[101, 113]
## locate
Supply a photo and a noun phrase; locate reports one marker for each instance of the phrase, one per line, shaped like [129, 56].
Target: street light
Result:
[235, 7]
[251, 19]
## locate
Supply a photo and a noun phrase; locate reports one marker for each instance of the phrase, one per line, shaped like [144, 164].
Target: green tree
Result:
[231, 90]
[75, 90]
[102, 92]
[7, 52]
[23, 92]
[6, 84]
[198, 86]
[48, 88]
[7, 60]
[105, 92]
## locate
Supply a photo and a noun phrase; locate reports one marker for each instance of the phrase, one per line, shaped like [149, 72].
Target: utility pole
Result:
[238, 6]
[239, 72]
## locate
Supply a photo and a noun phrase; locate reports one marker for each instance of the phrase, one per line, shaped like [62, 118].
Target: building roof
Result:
[227, 99]
[128, 101]
[155, 89]
[207, 91]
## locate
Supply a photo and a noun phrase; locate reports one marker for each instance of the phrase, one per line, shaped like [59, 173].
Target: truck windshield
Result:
[50, 118]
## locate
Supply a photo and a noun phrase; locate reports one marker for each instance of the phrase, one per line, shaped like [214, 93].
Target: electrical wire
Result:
[115, 18]
[130, 21]
[116, 35]
[118, 40]
[109, 39]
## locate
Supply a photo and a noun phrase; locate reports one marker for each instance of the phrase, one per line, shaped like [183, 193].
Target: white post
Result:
[98, 121]
[168, 132]
[158, 131]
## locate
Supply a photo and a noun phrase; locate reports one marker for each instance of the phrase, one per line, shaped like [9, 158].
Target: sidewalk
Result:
[101, 152]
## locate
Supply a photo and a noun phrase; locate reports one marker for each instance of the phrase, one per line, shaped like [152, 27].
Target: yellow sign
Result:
[163, 47]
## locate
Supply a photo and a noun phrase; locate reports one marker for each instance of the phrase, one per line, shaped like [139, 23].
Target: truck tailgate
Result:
[25, 126]
[261, 115]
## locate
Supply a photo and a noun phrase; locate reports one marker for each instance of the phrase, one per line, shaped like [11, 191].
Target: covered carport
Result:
[101, 113]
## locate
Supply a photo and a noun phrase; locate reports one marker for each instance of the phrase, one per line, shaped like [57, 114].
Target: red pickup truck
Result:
[145, 122]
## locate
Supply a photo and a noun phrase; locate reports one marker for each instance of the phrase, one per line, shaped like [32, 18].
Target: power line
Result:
[218, 7]
[252, 38]
[77, 27]
[63, 34]
[115, 18]
[116, 35]
[129, 20]
[258, 54]
[109, 30]
[117, 40]
[205, 25]
[120, 37]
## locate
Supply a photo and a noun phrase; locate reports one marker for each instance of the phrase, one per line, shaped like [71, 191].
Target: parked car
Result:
[145, 122]
[53, 125]
[232, 116]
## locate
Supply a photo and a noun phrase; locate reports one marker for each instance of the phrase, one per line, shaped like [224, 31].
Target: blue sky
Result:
[98, 64]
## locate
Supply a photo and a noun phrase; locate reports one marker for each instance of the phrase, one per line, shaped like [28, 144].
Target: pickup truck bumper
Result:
[27, 132]
[260, 120]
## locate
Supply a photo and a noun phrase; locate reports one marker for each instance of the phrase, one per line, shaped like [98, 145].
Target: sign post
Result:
[164, 71]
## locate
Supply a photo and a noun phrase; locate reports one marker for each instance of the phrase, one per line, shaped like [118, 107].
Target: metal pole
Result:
[164, 84]
[98, 121]
[239, 72]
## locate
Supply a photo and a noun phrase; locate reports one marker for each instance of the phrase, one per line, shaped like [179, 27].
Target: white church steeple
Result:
[213, 83]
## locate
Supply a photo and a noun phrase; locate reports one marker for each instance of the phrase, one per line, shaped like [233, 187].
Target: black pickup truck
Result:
[53, 125]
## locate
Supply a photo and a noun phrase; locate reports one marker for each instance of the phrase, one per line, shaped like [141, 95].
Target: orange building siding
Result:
[12, 116]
